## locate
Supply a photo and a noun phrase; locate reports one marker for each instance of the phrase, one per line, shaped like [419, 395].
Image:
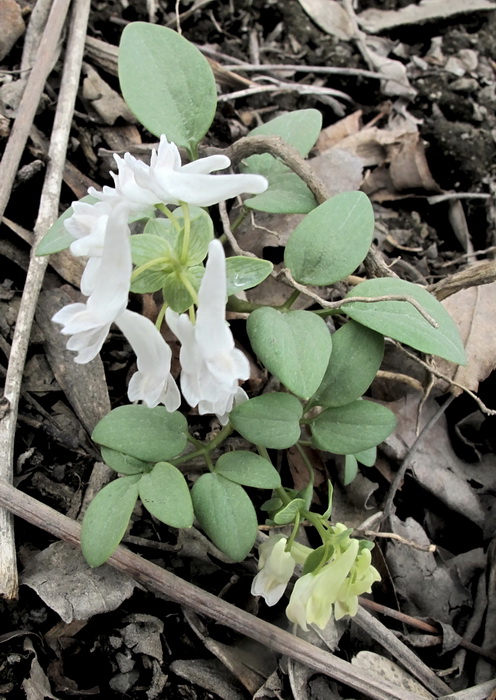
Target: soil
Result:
[40, 656]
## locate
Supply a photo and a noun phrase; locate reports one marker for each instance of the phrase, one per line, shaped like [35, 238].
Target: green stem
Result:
[204, 450]
[187, 231]
[290, 301]
[150, 263]
[160, 317]
[173, 219]
[185, 281]
[294, 532]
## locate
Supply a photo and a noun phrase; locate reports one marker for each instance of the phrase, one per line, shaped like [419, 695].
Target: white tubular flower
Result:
[173, 183]
[138, 197]
[87, 225]
[89, 323]
[360, 580]
[153, 382]
[211, 365]
[276, 567]
[314, 594]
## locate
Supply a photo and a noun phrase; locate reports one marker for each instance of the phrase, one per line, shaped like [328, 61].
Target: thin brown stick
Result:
[422, 625]
[275, 146]
[189, 595]
[393, 536]
[47, 214]
[366, 300]
[30, 100]
[400, 474]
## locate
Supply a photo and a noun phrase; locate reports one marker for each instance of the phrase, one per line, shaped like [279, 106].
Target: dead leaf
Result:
[374, 21]
[330, 17]
[12, 25]
[333, 134]
[84, 385]
[107, 103]
[410, 569]
[36, 686]
[63, 580]
[397, 84]
[474, 312]
[391, 672]
[435, 465]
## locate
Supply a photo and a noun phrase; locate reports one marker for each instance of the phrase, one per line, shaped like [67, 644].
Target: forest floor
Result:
[422, 145]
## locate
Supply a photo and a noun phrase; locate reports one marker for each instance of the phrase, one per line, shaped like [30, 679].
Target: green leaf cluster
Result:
[137, 441]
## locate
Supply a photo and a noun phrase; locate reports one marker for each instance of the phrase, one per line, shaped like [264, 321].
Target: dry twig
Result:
[48, 212]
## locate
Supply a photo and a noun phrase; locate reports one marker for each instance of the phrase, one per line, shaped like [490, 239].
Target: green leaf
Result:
[356, 356]
[165, 494]
[167, 83]
[331, 242]
[401, 321]
[367, 457]
[176, 294]
[352, 428]
[270, 420]
[350, 469]
[294, 346]
[148, 281]
[289, 512]
[244, 273]
[146, 247]
[226, 514]
[124, 464]
[106, 520]
[316, 558]
[287, 193]
[149, 434]
[57, 238]
[248, 469]
[272, 504]
[162, 228]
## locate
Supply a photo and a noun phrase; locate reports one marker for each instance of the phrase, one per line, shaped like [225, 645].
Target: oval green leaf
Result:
[270, 420]
[124, 464]
[244, 273]
[352, 428]
[294, 346]
[167, 83]
[401, 321]
[106, 520]
[226, 514]
[165, 494]
[350, 469]
[356, 356]
[286, 194]
[288, 514]
[331, 242]
[368, 457]
[248, 469]
[149, 434]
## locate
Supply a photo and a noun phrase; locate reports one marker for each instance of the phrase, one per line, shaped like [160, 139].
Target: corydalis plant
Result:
[320, 378]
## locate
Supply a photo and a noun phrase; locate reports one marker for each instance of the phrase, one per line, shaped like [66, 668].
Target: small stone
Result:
[12, 26]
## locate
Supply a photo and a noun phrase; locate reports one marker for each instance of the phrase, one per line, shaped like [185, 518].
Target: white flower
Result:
[138, 198]
[153, 382]
[173, 183]
[87, 225]
[89, 323]
[276, 567]
[211, 365]
[315, 593]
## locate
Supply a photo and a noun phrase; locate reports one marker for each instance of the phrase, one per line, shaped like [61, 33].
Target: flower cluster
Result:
[336, 583]
[211, 365]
